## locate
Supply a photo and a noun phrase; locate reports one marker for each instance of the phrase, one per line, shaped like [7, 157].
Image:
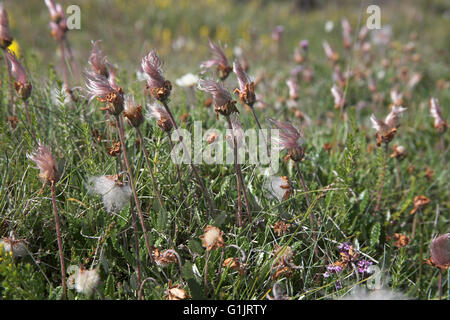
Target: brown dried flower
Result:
[174, 292]
[212, 238]
[420, 202]
[280, 227]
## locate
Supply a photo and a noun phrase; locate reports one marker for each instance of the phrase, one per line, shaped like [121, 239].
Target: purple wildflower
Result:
[363, 266]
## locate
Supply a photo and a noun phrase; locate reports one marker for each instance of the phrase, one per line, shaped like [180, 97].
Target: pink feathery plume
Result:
[5, 33]
[440, 250]
[159, 87]
[293, 89]
[220, 95]
[97, 61]
[223, 101]
[17, 70]
[43, 158]
[289, 137]
[241, 75]
[346, 33]
[435, 110]
[219, 59]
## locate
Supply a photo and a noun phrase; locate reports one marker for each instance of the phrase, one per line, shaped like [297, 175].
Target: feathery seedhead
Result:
[174, 292]
[386, 129]
[439, 124]
[164, 258]
[56, 11]
[5, 33]
[105, 90]
[283, 256]
[246, 89]
[440, 251]
[212, 238]
[346, 33]
[279, 187]
[290, 139]
[98, 62]
[43, 158]
[399, 152]
[396, 97]
[161, 115]
[158, 86]
[83, 280]
[219, 59]
[115, 193]
[223, 101]
[17, 247]
[22, 86]
[338, 96]
[293, 89]
[133, 112]
[329, 52]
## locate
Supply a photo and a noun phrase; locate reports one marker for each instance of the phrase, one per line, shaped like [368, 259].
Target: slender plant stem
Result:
[58, 236]
[383, 177]
[119, 121]
[27, 114]
[10, 79]
[150, 168]
[180, 181]
[259, 126]
[444, 151]
[136, 249]
[311, 215]
[239, 173]
[440, 284]
[194, 169]
[71, 58]
[63, 63]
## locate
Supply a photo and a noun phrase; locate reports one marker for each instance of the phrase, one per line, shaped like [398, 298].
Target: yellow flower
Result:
[14, 47]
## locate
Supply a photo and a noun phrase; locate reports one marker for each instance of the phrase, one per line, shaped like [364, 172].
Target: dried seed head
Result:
[115, 193]
[402, 240]
[22, 86]
[83, 280]
[97, 61]
[223, 101]
[420, 202]
[399, 152]
[43, 158]
[219, 59]
[439, 124]
[386, 129]
[280, 227]
[133, 112]
[290, 139]
[106, 91]
[246, 89]
[212, 238]
[161, 115]
[158, 86]
[17, 247]
[279, 187]
[440, 251]
[174, 292]
[163, 259]
[5, 33]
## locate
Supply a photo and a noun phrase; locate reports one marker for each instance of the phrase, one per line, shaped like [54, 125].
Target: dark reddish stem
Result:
[259, 126]
[58, 236]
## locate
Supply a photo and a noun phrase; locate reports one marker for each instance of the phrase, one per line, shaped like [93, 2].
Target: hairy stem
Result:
[58, 236]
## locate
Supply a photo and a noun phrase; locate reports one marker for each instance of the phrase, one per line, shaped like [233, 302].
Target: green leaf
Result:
[109, 288]
[375, 234]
